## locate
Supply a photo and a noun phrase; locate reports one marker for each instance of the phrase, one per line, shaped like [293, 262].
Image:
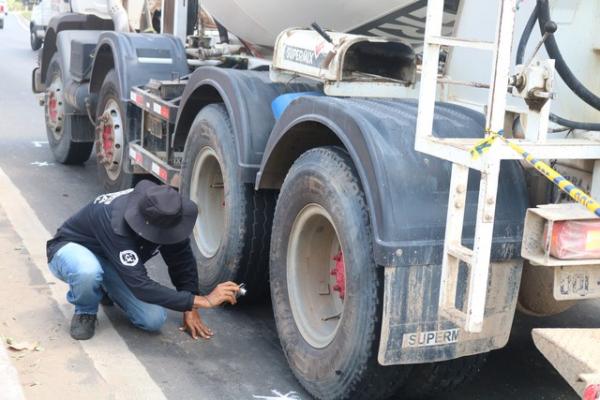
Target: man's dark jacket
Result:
[100, 227]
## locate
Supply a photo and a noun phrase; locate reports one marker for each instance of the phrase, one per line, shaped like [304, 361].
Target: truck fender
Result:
[64, 22]
[137, 58]
[247, 95]
[406, 191]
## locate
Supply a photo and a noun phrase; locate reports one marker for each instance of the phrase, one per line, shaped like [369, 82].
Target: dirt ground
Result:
[57, 367]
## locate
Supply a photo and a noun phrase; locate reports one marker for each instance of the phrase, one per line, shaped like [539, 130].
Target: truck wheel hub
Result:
[55, 110]
[208, 192]
[316, 276]
[110, 139]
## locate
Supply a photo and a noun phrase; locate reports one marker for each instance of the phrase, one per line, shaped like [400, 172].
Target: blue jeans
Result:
[87, 274]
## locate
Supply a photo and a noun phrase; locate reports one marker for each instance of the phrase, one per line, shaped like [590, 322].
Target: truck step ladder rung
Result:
[478, 259]
[455, 315]
[456, 42]
[461, 253]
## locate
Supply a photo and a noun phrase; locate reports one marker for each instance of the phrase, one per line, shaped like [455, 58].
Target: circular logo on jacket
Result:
[128, 258]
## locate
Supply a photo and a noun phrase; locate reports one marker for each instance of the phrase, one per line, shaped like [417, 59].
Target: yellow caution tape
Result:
[553, 176]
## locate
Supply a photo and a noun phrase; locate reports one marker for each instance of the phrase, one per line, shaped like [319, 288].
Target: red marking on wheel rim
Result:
[107, 140]
[53, 108]
[339, 271]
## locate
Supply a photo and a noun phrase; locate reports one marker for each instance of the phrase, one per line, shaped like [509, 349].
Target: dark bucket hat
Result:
[159, 214]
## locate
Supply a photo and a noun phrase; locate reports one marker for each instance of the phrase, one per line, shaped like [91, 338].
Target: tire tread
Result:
[249, 257]
[70, 153]
[369, 380]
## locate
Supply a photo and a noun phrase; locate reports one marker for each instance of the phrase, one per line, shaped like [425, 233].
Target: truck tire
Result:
[111, 137]
[232, 233]
[426, 380]
[325, 287]
[59, 122]
[35, 41]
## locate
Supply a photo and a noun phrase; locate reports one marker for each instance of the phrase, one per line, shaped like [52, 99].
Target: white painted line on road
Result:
[42, 163]
[279, 396]
[118, 366]
[9, 379]
[22, 21]
[39, 143]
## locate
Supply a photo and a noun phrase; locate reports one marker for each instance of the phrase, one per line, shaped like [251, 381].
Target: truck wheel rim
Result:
[55, 109]
[109, 145]
[316, 276]
[208, 192]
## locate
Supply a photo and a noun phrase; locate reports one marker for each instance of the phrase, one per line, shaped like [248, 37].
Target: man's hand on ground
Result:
[224, 293]
[192, 324]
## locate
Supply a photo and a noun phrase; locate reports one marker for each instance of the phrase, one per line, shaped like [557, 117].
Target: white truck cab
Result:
[42, 12]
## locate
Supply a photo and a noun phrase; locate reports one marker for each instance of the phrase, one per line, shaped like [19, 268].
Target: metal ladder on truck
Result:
[457, 151]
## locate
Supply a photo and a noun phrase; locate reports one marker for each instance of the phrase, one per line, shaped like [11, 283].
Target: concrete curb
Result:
[9, 379]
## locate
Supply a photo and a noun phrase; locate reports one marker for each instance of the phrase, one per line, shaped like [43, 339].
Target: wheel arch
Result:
[104, 61]
[203, 94]
[399, 183]
[63, 22]
[297, 132]
[247, 96]
[300, 136]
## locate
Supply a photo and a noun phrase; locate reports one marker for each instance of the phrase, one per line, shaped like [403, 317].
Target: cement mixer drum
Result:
[260, 21]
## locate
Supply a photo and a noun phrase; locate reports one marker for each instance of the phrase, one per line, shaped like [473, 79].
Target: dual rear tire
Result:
[232, 232]
[110, 134]
[325, 286]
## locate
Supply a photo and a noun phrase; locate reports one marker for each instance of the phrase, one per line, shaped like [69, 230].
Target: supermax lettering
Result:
[299, 55]
[432, 338]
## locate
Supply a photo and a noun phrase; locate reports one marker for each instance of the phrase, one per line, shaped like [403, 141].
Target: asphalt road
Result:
[244, 359]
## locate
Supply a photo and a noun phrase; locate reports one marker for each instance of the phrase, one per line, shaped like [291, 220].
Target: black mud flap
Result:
[416, 331]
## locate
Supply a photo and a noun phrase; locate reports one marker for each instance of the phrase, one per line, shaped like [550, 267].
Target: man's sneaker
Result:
[83, 326]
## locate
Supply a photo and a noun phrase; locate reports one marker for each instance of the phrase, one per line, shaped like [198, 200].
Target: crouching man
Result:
[101, 250]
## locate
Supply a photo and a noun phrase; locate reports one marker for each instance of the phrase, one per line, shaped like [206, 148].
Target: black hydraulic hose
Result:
[588, 126]
[561, 66]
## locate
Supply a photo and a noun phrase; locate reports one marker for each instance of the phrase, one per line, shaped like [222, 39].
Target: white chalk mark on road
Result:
[42, 163]
[279, 396]
[116, 364]
[39, 143]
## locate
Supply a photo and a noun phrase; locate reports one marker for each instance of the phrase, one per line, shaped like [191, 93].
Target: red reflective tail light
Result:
[576, 239]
